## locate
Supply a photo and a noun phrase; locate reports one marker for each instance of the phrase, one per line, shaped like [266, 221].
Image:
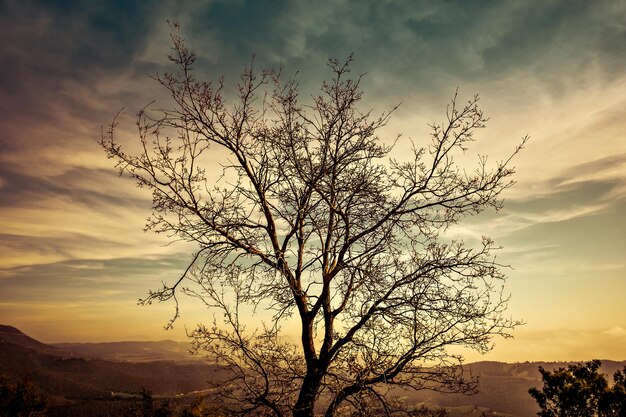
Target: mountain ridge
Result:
[16, 336]
[94, 371]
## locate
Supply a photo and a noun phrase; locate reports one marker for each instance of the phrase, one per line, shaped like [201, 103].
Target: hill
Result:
[64, 375]
[15, 336]
[164, 350]
[86, 375]
[503, 387]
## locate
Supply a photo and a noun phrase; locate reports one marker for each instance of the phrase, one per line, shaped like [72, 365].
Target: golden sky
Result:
[74, 258]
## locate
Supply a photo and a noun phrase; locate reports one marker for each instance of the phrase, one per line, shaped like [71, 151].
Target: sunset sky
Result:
[73, 255]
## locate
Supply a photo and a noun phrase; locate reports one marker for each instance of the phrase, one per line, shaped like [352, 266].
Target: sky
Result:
[73, 255]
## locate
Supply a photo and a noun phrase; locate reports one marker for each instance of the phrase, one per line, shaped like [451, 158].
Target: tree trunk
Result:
[304, 407]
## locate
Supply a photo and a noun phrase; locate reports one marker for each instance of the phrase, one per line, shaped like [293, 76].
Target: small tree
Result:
[309, 220]
[21, 399]
[202, 407]
[580, 391]
[149, 407]
[613, 402]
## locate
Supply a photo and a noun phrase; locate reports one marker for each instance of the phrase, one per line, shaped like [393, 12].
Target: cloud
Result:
[94, 299]
[565, 198]
[559, 202]
[80, 213]
[616, 331]
[554, 70]
[90, 188]
[89, 276]
[609, 166]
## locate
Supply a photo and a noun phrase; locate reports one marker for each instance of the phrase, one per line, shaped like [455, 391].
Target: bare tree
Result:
[311, 218]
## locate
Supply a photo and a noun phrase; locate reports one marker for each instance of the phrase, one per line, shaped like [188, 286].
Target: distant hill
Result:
[503, 387]
[165, 350]
[65, 375]
[132, 351]
[15, 336]
[84, 374]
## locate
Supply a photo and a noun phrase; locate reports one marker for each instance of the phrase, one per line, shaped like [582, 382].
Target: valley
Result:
[105, 378]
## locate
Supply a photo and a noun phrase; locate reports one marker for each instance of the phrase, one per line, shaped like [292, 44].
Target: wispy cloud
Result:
[72, 228]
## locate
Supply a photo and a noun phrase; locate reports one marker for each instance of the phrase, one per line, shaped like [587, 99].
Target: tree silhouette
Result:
[310, 218]
[613, 402]
[21, 399]
[149, 407]
[580, 391]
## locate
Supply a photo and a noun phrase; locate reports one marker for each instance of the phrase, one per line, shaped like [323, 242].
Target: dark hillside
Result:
[15, 336]
[79, 378]
[86, 384]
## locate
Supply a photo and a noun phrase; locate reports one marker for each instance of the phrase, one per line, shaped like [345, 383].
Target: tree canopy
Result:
[18, 399]
[310, 217]
[581, 391]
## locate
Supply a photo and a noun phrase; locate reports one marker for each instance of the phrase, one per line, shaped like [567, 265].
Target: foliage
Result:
[149, 407]
[202, 408]
[580, 391]
[423, 411]
[311, 218]
[21, 399]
